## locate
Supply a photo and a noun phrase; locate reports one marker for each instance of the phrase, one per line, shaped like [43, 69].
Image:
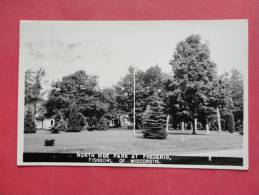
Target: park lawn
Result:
[123, 141]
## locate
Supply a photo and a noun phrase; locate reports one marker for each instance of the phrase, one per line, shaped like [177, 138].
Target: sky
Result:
[108, 48]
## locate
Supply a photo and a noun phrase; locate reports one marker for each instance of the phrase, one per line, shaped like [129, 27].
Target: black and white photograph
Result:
[171, 94]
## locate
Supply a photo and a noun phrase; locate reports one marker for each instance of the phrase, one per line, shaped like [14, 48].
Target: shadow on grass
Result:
[185, 133]
[142, 137]
[139, 135]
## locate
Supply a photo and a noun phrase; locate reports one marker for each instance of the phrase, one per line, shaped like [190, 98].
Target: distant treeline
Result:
[192, 90]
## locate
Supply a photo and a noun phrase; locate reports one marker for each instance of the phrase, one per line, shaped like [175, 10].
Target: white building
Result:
[47, 123]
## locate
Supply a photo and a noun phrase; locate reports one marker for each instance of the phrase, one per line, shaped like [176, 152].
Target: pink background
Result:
[96, 180]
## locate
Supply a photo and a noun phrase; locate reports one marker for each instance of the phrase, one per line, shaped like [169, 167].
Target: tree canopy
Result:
[194, 89]
[33, 88]
[80, 88]
[237, 91]
[147, 83]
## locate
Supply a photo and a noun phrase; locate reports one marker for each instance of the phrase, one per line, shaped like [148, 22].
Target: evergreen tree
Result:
[29, 124]
[155, 119]
[229, 122]
[145, 117]
[237, 91]
[232, 85]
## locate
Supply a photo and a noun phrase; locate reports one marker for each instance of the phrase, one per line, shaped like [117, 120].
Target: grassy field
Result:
[123, 141]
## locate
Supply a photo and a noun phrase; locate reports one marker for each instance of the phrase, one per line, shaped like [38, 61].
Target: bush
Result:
[229, 122]
[102, 124]
[29, 123]
[239, 127]
[223, 128]
[93, 122]
[241, 131]
[82, 119]
[60, 125]
[49, 142]
[54, 130]
[91, 128]
[74, 129]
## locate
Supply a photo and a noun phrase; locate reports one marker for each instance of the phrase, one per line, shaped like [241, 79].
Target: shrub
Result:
[223, 126]
[29, 123]
[241, 131]
[54, 130]
[91, 128]
[60, 125]
[49, 142]
[239, 127]
[82, 119]
[229, 122]
[74, 129]
[93, 123]
[102, 124]
[155, 120]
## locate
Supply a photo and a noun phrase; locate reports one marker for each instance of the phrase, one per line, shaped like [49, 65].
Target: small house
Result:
[47, 123]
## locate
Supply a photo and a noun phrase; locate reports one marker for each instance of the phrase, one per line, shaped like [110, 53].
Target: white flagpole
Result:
[134, 103]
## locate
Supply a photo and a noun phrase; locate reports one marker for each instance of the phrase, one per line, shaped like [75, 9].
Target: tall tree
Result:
[125, 94]
[108, 96]
[80, 88]
[147, 83]
[194, 80]
[28, 86]
[74, 119]
[33, 88]
[40, 116]
[237, 91]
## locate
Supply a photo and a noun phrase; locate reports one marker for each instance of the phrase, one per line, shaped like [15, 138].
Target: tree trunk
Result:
[207, 126]
[219, 122]
[182, 126]
[35, 109]
[195, 124]
[194, 129]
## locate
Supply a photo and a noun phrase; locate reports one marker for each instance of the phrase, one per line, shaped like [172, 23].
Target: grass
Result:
[123, 141]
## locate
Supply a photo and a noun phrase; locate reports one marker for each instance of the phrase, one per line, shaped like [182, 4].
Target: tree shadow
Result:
[185, 133]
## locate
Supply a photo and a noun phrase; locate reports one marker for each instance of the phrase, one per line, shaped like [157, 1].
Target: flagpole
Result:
[134, 103]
